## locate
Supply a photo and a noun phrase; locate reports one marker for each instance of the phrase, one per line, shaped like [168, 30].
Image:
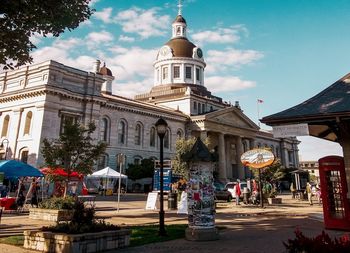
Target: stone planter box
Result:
[50, 214]
[77, 243]
[273, 201]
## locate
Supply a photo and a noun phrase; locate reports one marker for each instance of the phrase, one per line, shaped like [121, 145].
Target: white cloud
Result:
[131, 64]
[308, 152]
[104, 15]
[227, 83]
[126, 38]
[221, 60]
[130, 89]
[146, 23]
[96, 39]
[220, 35]
[93, 2]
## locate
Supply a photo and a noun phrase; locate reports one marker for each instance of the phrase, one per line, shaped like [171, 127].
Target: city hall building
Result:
[36, 99]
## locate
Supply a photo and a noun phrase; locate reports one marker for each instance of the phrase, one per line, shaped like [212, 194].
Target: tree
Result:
[21, 19]
[183, 146]
[143, 170]
[74, 150]
[272, 174]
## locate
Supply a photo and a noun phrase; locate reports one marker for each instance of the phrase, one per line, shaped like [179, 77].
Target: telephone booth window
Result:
[334, 194]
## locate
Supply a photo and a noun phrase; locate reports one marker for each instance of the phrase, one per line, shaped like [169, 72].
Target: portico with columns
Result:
[230, 134]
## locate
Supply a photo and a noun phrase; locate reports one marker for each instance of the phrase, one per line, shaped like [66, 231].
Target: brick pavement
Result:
[247, 229]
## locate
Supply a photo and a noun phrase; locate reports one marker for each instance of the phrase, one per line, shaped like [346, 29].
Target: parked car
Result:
[221, 193]
[231, 187]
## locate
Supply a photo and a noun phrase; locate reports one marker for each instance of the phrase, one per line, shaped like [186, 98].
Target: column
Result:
[344, 141]
[239, 152]
[203, 135]
[251, 144]
[222, 157]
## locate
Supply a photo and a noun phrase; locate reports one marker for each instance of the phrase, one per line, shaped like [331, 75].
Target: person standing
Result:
[238, 192]
[34, 191]
[309, 192]
[292, 190]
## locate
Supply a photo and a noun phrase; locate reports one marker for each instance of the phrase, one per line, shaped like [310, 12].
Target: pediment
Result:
[231, 116]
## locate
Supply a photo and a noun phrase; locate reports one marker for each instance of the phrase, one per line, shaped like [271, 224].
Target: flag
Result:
[260, 101]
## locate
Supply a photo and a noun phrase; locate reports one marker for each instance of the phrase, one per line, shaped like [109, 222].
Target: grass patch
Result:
[16, 240]
[141, 235]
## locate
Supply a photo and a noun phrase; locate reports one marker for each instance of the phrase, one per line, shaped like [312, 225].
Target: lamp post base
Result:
[202, 234]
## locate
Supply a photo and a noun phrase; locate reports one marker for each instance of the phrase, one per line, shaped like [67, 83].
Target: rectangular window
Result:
[195, 105]
[176, 71]
[198, 77]
[188, 72]
[66, 118]
[165, 73]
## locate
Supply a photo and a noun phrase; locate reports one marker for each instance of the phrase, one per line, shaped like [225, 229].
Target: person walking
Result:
[309, 192]
[34, 190]
[293, 190]
[238, 192]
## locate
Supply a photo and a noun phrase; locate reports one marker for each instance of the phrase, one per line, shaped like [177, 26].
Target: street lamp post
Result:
[7, 145]
[161, 126]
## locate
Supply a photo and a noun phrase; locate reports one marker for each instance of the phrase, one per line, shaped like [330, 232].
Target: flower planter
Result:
[77, 243]
[50, 214]
[273, 201]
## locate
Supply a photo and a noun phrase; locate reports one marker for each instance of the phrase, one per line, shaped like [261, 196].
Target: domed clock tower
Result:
[179, 75]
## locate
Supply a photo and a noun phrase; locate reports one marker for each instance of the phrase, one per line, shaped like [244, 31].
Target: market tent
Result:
[108, 173]
[61, 172]
[13, 168]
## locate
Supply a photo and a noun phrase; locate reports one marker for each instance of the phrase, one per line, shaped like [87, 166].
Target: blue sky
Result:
[282, 52]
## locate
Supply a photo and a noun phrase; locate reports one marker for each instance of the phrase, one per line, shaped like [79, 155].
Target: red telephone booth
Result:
[333, 191]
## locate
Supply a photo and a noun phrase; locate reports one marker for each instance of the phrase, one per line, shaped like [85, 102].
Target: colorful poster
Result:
[200, 195]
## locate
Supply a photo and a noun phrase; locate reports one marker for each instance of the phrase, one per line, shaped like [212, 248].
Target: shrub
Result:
[322, 243]
[58, 203]
[83, 221]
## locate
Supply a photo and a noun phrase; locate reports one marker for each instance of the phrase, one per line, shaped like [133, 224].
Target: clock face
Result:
[199, 53]
[164, 51]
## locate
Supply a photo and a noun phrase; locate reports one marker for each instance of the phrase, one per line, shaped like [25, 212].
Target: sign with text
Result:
[152, 201]
[284, 131]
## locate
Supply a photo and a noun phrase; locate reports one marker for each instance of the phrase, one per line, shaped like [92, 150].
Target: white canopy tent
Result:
[108, 173]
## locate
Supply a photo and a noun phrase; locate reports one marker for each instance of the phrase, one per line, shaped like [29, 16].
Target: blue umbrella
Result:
[13, 168]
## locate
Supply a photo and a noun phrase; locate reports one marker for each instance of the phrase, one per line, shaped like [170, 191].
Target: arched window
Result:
[138, 134]
[104, 130]
[5, 126]
[167, 139]
[152, 137]
[24, 153]
[137, 160]
[122, 132]
[103, 161]
[28, 123]
[179, 134]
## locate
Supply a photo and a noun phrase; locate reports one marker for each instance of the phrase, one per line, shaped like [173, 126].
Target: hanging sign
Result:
[293, 130]
[257, 158]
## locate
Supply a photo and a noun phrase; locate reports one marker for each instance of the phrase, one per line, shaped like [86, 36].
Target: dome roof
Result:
[179, 19]
[105, 71]
[181, 47]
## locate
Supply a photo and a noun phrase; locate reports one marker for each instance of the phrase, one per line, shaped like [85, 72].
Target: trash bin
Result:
[172, 201]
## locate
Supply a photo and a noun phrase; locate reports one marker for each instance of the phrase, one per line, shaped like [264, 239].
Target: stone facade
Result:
[77, 243]
[35, 100]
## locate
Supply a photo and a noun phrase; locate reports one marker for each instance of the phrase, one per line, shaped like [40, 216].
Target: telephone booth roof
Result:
[322, 113]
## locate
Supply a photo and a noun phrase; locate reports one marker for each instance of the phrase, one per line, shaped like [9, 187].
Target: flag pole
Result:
[258, 109]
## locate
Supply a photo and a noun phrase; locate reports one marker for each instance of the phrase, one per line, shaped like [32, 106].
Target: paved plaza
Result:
[243, 228]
